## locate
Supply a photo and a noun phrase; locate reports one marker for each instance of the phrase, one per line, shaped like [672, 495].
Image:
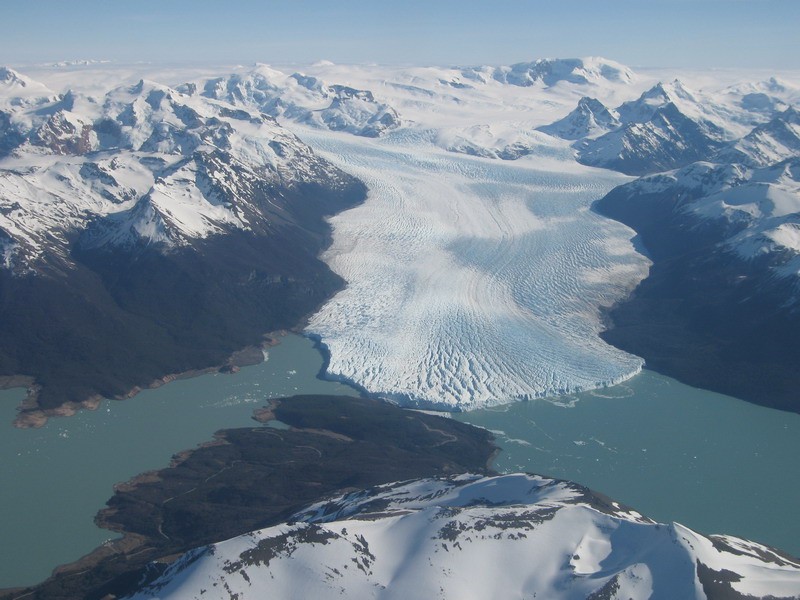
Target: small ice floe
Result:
[518, 441]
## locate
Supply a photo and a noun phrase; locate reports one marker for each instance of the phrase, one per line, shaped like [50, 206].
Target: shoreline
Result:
[318, 438]
[31, 416]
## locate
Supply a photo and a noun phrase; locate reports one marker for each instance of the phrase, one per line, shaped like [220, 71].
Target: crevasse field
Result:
[472, 282]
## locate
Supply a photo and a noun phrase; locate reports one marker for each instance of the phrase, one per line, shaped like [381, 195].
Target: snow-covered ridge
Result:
[478, 537]
[18, 90]
[143, 164]
[553, 71]
[306, 99]
[670, 126]
[758, 208]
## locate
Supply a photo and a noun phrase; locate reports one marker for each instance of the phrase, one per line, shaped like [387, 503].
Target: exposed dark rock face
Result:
[705, 315]
[124, 319]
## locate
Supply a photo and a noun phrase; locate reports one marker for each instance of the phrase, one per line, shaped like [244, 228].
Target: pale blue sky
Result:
[679, 33]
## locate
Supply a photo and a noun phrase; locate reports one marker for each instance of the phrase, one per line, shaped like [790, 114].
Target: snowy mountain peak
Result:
[11, 77]
[306, 99]
[776, 140]
[790, 115]
[477, 537]
[551, 71]
[17, 89]
[589, 119]
[643, 108]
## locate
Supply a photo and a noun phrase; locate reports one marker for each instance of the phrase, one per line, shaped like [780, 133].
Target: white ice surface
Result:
[472, 282]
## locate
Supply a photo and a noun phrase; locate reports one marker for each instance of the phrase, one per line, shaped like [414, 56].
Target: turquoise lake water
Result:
[673, 452]
[53, 480]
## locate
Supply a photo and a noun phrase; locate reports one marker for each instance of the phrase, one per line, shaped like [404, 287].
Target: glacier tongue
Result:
[471, 282]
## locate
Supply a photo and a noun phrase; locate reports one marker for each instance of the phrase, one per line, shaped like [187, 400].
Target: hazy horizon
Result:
[723, 34]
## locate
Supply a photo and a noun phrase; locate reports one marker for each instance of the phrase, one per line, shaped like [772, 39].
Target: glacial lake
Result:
[673, 452]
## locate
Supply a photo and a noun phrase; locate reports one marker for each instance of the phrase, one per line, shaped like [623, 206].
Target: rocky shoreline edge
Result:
[31, 415]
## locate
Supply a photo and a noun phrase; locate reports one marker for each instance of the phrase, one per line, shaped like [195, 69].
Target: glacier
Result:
[472, 282]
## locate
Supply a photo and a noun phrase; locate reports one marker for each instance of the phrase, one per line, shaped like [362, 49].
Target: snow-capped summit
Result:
[17, 89]
[552, 71]
[306, 99]
[666, 140]
[9, 77]
[590, 118]
[642, 109]
[15, 83]
[478, 537]
[770, 142]
[668, 126]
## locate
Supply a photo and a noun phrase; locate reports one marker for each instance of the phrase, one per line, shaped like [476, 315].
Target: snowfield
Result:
[472, 282]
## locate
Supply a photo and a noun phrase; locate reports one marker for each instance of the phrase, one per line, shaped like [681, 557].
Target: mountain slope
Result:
[148, 232]
[590, 118]
[477, 537]
[719, 308]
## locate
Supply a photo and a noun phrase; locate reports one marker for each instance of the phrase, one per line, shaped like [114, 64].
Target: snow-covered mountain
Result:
[478, 537]
[590, 118]
[665, 140]
[549, 72]
[145, 164]
[670, 126]
[18, 90]
[306, 99]
[768, 143]
[754, 210]
[719, 309]
[106, 198]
